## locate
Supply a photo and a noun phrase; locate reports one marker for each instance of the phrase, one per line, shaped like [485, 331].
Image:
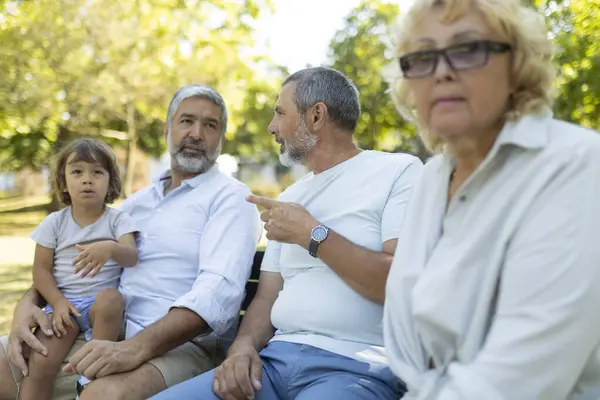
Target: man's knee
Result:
[199, 387]
[138, 384]
[8, 387]
[102, 389]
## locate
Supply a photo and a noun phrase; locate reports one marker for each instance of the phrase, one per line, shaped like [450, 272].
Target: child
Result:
[78, 258]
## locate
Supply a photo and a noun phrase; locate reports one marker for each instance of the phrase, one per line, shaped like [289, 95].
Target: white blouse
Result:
[502, 290]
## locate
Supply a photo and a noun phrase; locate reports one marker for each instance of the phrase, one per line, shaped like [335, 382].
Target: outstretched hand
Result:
[285, 222]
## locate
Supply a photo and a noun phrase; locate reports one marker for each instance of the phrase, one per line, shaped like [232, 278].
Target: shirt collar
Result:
[529, 132]
[160, 181]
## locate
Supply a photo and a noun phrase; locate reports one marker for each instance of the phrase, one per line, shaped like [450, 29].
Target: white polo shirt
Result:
[502, 289]
[362, 199]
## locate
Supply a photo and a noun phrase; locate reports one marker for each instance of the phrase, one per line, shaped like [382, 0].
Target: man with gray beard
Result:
[314, 328]
[197, 238]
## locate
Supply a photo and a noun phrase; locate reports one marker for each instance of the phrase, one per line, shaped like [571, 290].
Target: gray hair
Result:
[202, 92]
[328, 86]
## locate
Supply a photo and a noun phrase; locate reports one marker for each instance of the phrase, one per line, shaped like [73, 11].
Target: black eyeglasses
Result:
[459, 57]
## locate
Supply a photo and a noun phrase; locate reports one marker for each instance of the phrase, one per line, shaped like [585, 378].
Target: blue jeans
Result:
[302, 372]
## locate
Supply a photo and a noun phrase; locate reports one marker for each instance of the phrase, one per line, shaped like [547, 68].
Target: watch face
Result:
[319, 233]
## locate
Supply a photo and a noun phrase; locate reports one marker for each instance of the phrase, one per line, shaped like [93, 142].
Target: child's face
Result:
[87, 183]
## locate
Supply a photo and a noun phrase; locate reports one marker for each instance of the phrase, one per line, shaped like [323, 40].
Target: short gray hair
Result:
[328, 86]
[202, 92]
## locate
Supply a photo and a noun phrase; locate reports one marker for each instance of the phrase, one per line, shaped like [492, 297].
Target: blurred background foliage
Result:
[108, 68]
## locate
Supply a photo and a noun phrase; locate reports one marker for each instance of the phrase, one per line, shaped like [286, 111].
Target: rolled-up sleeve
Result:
[546, 326]
[226, 254]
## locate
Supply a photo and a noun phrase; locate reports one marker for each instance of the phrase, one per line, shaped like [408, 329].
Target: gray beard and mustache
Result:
[191, 162]
[296, 152]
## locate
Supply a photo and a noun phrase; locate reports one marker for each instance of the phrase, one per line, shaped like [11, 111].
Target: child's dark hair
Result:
[91, 151]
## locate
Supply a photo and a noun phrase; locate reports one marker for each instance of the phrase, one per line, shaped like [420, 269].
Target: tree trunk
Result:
[131, 150]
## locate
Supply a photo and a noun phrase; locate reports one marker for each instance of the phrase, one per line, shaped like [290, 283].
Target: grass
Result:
[18, 217]
[14, 281]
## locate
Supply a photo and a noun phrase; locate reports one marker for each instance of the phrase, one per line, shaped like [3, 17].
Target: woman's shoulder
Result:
[563, 132]
[572, 143]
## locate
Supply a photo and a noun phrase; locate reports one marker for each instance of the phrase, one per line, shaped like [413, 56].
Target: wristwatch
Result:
[318, 234]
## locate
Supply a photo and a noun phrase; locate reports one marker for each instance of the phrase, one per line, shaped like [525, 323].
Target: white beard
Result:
[194, 163]
[304, 143]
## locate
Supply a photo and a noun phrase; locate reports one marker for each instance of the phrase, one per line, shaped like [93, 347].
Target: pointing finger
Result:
[263, 201]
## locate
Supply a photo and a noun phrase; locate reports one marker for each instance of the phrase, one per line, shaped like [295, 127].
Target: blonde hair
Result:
[522, 27]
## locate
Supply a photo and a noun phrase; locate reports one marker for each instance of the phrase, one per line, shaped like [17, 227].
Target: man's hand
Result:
[285, 222]
[99, 358]
[62, 316]
[93, 256]
[239, 376]
[24, 320]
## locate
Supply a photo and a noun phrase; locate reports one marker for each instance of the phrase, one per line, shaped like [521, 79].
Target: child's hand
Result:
[93, 256]
[61, 316]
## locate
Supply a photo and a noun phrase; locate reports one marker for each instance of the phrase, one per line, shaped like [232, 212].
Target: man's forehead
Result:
[287, 91]
[198, 107]
[285, 96]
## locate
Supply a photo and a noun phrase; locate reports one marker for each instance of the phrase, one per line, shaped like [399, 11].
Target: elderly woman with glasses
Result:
[494, 292]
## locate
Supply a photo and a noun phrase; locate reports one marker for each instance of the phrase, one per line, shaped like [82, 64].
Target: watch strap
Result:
[312, 247]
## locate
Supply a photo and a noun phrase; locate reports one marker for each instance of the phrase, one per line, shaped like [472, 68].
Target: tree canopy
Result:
[110, 67]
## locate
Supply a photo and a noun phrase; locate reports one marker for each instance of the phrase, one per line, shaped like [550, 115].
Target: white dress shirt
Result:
[196, 247]
[501, 289]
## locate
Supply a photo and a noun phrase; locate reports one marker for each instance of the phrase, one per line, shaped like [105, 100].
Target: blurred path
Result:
[16, 250]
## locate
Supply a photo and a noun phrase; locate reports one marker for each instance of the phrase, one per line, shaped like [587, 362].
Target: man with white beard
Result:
[314, 328]
[196, 243]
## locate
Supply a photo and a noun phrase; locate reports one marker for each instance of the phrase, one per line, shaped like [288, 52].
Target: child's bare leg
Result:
[106, 315]
[43, 370]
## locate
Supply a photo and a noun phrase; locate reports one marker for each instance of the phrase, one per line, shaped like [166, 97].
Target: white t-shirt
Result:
[362, 199]
[60, 232]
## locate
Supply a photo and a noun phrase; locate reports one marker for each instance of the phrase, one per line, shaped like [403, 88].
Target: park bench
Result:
[252, 283]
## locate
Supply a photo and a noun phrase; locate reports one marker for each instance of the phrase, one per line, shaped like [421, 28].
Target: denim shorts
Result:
[83, 305]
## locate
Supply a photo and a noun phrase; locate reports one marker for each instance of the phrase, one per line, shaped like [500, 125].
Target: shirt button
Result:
[462, 198]
[158, 210]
